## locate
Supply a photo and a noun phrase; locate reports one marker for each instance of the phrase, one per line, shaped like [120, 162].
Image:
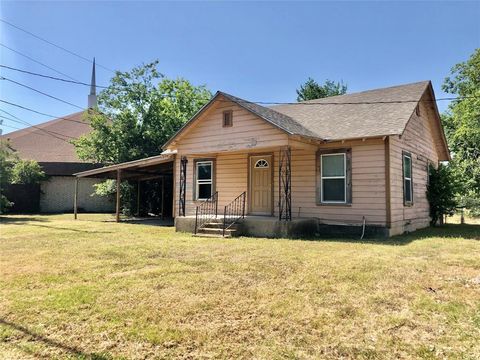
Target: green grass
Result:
[90, 289]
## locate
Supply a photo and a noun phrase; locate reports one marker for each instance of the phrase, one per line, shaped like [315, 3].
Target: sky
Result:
[259, 51]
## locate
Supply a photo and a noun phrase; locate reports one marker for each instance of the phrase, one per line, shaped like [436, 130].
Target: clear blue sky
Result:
[259, 51]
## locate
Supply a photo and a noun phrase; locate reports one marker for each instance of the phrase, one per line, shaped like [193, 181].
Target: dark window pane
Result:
[333, 165]
[204, 171]
[407, 167]
[227, 118]
[204, 191]
[408, 190]
[333, 189]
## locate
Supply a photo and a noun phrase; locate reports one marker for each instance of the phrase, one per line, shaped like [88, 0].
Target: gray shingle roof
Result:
[363, 114]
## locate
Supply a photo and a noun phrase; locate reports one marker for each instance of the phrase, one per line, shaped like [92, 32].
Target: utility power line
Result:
[259, 102]
[52, 77]
[41, 92]
[36, 61]
[54, 134]
[39, 112]
[17, 128]
[53, 44]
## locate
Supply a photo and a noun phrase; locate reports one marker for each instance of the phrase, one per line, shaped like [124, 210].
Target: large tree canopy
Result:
[137, 114]
[462, 123]
[312, 90]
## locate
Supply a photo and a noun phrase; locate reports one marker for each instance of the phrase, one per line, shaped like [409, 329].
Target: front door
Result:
[261, 185]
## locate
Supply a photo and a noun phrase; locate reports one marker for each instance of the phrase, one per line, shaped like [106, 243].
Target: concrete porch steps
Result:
[215, 229]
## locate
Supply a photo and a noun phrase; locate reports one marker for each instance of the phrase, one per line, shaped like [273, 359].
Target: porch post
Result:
[117, 204]
[163, 196]
[138, 197]
[75, 199]
[284, 185]
[183, 185]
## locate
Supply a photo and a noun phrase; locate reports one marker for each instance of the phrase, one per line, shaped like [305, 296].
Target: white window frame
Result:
[199, 182]
[405, 201]
[344, 177]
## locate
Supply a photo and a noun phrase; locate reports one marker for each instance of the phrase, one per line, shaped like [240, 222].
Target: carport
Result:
[159, 168]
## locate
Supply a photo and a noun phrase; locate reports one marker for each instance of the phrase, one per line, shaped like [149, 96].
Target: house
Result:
[353, 163]
[341, 160]
[50, 145]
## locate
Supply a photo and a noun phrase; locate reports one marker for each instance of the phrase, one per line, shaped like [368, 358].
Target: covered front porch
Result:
[234, 190]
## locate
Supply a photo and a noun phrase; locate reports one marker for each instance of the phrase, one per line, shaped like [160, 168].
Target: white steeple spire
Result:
[92, 98]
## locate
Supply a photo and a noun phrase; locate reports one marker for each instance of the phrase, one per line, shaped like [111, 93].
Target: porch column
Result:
[163, 196]
[75, 199]
[138, 197]
[117, 204]
[284, 185]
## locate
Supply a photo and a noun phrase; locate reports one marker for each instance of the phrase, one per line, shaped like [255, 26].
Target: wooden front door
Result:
[261, 185]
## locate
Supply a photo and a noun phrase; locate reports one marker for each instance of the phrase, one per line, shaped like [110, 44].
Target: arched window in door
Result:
[262, 163]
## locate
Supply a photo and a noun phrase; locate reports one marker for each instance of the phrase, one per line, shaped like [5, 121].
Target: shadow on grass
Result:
[465, 231]
[17, 220]
[72, 229]
[168, 222]
[72, 350]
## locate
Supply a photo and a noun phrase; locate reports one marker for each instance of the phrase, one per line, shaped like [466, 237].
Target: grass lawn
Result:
[90, 289]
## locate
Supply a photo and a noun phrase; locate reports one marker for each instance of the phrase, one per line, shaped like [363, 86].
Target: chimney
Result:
[92, 98]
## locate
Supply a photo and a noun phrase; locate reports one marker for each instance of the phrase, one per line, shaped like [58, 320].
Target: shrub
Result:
[441, 192]
[27, 172]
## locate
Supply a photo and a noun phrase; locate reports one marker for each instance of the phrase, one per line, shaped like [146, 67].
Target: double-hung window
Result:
[407, 179]
[333, 178]
[203, 179]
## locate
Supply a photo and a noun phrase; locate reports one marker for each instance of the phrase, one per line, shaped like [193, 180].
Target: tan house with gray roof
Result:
[347, 160]
[353, 163]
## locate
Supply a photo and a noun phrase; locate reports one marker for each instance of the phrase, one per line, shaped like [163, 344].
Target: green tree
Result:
[27, 172]
[312, 90]
[441, 192]
[462, 126]
[137, 114]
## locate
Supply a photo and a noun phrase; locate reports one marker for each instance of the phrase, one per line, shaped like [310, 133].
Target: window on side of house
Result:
[227, 118]
[203, 179]
[407, 179]
[333, 180]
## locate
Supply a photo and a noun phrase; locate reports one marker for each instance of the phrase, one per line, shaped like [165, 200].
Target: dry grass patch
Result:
[95, 290]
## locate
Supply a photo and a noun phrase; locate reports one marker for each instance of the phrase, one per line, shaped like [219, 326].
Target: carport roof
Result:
[137, 169]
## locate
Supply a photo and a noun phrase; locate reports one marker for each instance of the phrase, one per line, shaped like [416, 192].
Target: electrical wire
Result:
[39, 112]
[52, 77]
[24, 122]
[40, 92]
[54, 134]
[36, 61]
[53, 44]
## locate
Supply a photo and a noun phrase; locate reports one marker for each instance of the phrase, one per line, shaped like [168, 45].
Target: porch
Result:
[297, 227]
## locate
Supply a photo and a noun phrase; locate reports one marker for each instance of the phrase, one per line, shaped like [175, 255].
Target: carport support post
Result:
[117, 204]
[75, 199]
[163, 196]
[138, 198]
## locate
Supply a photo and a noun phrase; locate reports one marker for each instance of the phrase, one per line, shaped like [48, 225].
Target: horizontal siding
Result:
[248, 132]
[417, 139]
[368, 185]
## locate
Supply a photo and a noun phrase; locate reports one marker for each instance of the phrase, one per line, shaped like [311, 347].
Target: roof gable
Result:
[272, 117]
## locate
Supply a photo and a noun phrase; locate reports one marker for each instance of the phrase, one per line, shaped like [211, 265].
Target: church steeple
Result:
[92, 98]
